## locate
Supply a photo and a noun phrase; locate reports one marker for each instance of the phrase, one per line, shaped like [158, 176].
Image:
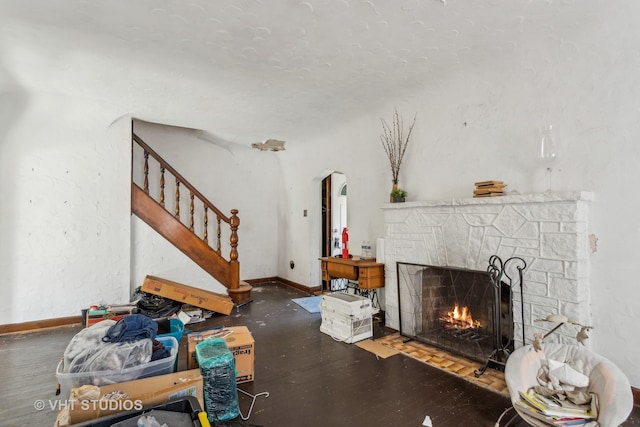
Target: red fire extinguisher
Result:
[345, 246]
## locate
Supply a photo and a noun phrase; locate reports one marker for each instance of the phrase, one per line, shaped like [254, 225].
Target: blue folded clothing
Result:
[131, 328]
[159, 351]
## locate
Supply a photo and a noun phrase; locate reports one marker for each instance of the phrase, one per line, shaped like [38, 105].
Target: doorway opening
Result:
[334, 214]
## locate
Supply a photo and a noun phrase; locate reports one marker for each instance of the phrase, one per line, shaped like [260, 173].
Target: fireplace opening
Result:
[457, 310]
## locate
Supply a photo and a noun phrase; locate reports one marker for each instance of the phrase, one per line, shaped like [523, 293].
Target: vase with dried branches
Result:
[395, 142]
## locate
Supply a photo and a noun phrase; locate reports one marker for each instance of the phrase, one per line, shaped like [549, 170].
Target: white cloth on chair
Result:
[560, 376]
[605, 379]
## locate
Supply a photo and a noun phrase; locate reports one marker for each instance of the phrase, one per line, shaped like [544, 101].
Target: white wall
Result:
[584, 86]
[481, 124]
[304, 165]
[64, 213]
[231, 176]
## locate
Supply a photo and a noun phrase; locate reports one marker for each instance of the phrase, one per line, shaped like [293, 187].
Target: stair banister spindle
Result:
[218, 232]
[146, 172]
[206, 225]
[162, 186]
[177, 199]
[191, 207]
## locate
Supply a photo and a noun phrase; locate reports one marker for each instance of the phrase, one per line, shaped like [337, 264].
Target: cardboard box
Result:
[187, 294]
[147, 392]
[240, 343]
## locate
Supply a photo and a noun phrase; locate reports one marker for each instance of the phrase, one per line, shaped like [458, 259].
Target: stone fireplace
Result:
[548, 231]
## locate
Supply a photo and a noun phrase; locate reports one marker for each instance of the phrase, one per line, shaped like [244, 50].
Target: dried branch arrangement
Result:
[395, 142]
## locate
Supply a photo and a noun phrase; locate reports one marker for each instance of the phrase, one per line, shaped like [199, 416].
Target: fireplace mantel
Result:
[513, 199]
[548, 230]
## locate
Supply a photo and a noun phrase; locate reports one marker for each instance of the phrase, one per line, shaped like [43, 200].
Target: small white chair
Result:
[606, 380]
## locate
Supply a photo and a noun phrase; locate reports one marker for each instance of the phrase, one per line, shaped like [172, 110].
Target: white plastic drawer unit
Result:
[345, 328]
[346, 305]
[346, 317]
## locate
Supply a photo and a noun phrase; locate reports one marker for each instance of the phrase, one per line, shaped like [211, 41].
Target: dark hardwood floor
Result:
[312, 379]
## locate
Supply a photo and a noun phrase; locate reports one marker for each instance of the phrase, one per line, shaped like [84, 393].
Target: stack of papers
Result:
[555, 412]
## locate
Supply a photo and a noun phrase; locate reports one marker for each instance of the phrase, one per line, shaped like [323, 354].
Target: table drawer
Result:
[371, 282]
[373, 271]
[342, 270]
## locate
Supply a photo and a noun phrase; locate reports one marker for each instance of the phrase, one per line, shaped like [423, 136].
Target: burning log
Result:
[459, 319]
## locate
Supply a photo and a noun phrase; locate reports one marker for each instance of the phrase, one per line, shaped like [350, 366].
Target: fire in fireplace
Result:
[459, 319]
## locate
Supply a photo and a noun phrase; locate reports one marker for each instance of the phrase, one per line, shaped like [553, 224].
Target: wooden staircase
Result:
[169, 224]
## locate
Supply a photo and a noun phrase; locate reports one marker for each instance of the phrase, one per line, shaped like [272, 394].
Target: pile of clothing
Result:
[113, 346]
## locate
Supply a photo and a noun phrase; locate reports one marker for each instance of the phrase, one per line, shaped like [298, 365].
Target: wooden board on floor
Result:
[378, 349]
[187, 294]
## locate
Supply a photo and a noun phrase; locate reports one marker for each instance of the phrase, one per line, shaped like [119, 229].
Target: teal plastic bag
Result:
[218, 369]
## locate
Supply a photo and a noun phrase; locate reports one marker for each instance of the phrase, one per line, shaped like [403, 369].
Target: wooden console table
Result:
[367, 272]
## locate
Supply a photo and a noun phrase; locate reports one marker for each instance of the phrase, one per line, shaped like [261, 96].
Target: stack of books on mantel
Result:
[555, 412]
[489, 188]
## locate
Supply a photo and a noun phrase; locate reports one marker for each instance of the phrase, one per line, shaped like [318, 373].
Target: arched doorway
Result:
[333, 214]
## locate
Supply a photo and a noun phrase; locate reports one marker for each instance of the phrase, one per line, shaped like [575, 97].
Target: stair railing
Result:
[207, 207]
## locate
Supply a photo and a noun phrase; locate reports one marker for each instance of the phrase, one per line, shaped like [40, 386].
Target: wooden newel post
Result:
[239, 291]
[235, 223]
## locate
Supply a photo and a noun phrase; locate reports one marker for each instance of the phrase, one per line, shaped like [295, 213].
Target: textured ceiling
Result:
[249, 70]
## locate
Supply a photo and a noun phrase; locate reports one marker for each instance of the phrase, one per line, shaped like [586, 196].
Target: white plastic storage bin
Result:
[163, 366]
[346, 304]
[347, 329]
